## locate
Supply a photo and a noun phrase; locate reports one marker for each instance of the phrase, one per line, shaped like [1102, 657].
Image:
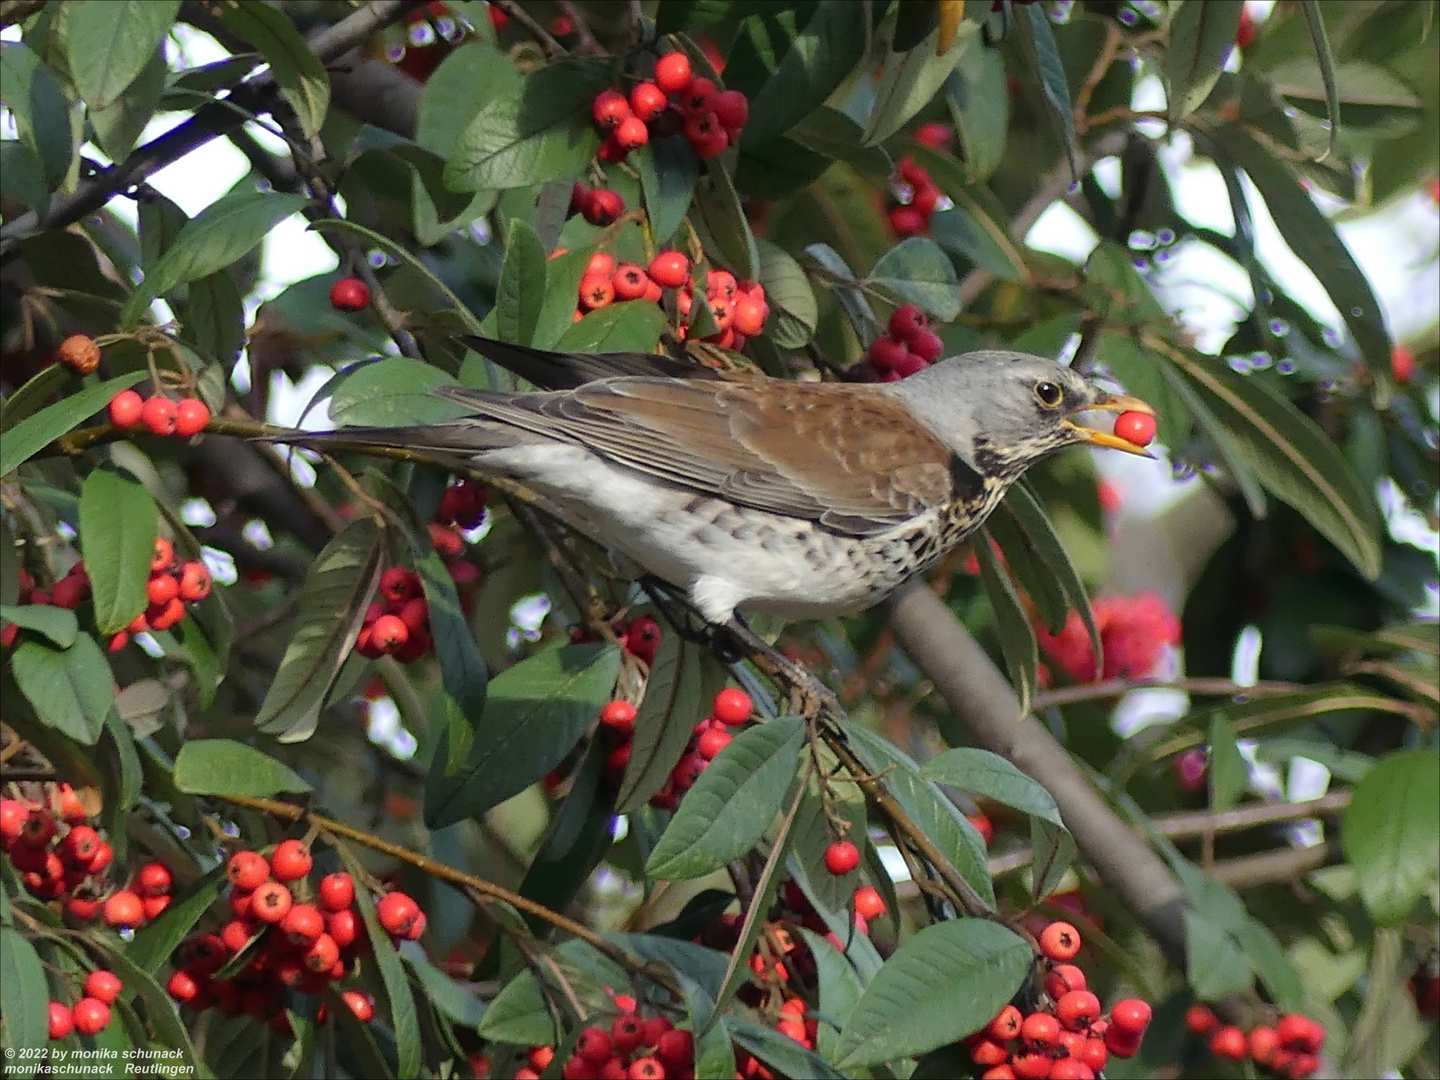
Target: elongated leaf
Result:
[42, 113]
[911, 79]
[534, 714]
[519, 1013]
[24, 998]
[1228, 773]
[404, 1020]
[71, 690]
[393, 392]
[814, 832]
[216, 237]
[156, 940]
[1045, 544]
[633, 326]
[541, 132]
[817, 61]
[916, 271]
[732, 803]
[1268, 959]
[109, 42]
[578, 838]
[1296, 461]
[1030, 575]
[226, 767]
[979, 105]
[840, 989]
[674, 695]
[793, 308]
[118, 524]
[1229, 451]
[944, 983]
[1312, 237]
[718, 204]
[1037, 46]
[295, 69]
[977, 230]
[57, 624]
[1315, 21]
[331, 612]
[844, 288]
[455, 91]
[1201, 37]
[668, 170]
[160, 1012]
[521, 291]
[780, 1051]
[1142, 372]
[32, 434]
[1012, 625]
[1391, 833]
[1215, 963]
[118, 126]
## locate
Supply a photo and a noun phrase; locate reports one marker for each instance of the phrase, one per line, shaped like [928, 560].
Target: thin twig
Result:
[1114, 688]
[552, 49]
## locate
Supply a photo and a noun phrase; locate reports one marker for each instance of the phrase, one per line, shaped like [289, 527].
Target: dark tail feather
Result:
[442, 443]
[566, 371]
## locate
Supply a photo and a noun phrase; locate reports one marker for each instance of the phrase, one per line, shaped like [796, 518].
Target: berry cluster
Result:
[158, 414]
[91, 1014]
[676, 102]
[350, 294]
[288, 941]
[79, 351]
[731, 708]
[398, 624]
[739, 308]
[172, 585]
[1067, 1036]
[913, 199]
[908, 346]
[634, 1046]
[60, 857]
[1289, 1049]
[1133, 632]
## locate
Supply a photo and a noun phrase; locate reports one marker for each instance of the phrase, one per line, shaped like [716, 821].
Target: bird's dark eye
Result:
[1048, 394]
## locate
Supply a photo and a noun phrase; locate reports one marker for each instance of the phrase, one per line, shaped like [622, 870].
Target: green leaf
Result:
[1042, 56]
[220, 234]
[119, 125]
[1269, 960]
[668, 170]
[296, 70]
[393, 392]
[160, 1012]
[1229, 774]
[1293, 458]
[71, 690]
[24, 999]
[732, 803]
[469, 77]
[42, 113]
[840, 989]
[1012, 624]
[944, 983]
[156, 940]
[1227, 448]
[1045, 545]
[404, 1021]
[215, 320]
[718, 204]
[815, 828]
[979, 104]
[57, 624]
[1315, 21]
[794, 311]
[1391, 833]
[562, 285]
[542, 131]
[1201, 37]
[35, 432]
[22, 177]
[817, 61]
[1215, 964]
[109, 42]
[682, 681]
[226, 767]
[632, 326]
[779, 1051]
[521, 292]
[118, 524]
[840, 281]
[911, 80]
[331, 611]
[975, 228]
[520, 1013]
[916, 271]
[535, 712]
[1311, 236]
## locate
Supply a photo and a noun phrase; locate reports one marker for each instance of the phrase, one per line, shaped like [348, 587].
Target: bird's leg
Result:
[680, 613]
[801, 679]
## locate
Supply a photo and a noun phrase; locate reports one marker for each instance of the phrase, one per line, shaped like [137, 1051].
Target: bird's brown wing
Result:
[849, 457]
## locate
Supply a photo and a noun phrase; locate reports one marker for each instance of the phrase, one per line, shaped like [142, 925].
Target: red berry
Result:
[236, 934]
[619, 715]
[1094, 1054]
[397, 913]
[988, 1052]
[887, 353]
[926, 199]
[630, 282]
[1245, 32]
[1040, 1030]
[670, 268]
[732, 706]
[361, 1004]
[162, 588]
[596, 291]
[195, 582]
[1135, 427]
[337, 891]
[103, 986]
[646, 1068]
[389, 634]
[642, 639]
[247, 870]
[748, 316]
[159, 415]
[699, 97]
[632, 133]
[126, 408]
[841, 857]
[647, 101]
[1229, 1042]
[291, 860]
[270, 902]
[626, 1032]
[398, 584]
[711, 742]
[1131, 1016]
[90, 1015]
[600, 265]
[350, 294]
[1060, 941]
[610, 109]
[934, 135]
[123, 909]
[594, 1045]
[927, 345]
[80, 844]
[868, 902]
[906, 221]
[676, 1048]
[1200, 1020]
[604, 207]
[191, 416]
[1031, 1066]
[183, 987]
[163, 557]
[154, 879]
[1062, 979]
[1078, 1009]
[672, 73]
[1402, 364]
[1070, 1069]
[62, 1022]
[12, 820]
[343, 926]
[101, 859]
[732, 108]
[302, 924]
[322, 954]
[155, 905]
[907, 322]
[1262, 1044]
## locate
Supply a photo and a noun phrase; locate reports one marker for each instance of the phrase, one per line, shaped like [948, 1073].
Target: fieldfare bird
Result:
[798, 498]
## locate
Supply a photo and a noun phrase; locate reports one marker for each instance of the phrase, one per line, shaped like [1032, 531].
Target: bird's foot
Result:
[809, 696]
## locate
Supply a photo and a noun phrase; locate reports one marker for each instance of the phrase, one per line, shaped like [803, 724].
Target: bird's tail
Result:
[439, 443]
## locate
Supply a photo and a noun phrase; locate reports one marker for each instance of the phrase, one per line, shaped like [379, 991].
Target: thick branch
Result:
[983, 700]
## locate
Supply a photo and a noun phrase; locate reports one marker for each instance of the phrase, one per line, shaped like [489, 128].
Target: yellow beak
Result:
[1116, 403]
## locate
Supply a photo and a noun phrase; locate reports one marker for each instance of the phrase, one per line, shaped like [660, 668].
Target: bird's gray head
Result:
[1003, 411]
